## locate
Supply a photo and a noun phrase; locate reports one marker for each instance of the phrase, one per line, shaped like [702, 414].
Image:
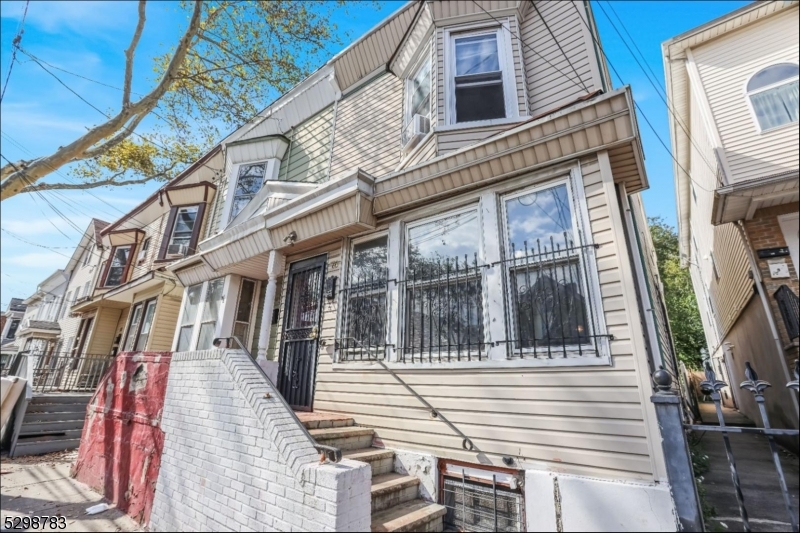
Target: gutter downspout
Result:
[763, 296]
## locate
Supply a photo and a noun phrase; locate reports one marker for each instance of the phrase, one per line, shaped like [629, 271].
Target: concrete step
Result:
[40, 436]
[322, 420]
[56, 408]
[54, 417]
[344, 438]
[61, 398]
[416, 515]
[50, 427]
[39, 448]
[381, 461]
[390, 490]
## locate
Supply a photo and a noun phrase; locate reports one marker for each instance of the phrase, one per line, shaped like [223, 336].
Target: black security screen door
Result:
[298, 363]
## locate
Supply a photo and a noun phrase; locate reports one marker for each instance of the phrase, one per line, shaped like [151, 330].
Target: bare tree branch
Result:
[129, 53]
[9, 169]
[88, 185]
[115, 140]
[18, 180]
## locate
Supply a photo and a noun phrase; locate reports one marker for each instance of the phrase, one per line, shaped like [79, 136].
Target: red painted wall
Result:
[122, 440]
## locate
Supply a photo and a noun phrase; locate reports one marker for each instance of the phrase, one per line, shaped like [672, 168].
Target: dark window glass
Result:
[478, 79]
[119, 260]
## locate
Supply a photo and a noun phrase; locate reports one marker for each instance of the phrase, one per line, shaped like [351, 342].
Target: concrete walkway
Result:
[758, 477]
[42, 486]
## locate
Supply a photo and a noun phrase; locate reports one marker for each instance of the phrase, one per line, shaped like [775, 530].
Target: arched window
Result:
[773, 94]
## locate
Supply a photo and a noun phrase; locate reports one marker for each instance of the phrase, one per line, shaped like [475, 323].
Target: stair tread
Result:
[391, 482]
[331, 433]
[407, 516]
[368, 454]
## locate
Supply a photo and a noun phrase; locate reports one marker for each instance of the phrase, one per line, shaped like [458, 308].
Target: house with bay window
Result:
[436, 249]
[123, 298]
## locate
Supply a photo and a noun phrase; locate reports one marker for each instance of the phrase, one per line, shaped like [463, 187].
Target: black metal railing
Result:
[476, 505]
[711, 386]
[550, 310]
[789, 305]
[444, 313]
[67, 373]
[364, 313]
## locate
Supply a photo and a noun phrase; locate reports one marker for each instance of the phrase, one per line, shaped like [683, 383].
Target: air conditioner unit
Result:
[414, 131]
[177, 250]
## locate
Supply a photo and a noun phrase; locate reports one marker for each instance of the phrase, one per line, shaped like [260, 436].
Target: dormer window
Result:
[117, 266]
[416, 122]
[249, 181]
[481, 73]
[183, 229]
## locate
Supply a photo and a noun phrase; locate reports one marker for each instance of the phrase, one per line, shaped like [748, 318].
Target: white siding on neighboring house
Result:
[725, 65]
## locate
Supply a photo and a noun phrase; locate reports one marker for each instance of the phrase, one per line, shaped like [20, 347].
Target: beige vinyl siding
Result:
[519, 66]
[733, 289]
[104, 330]
[449, 141]
[308, 154]
[368, 124]
[725, 65]
[456, 8]
[215, 223]
[586, 420]
[553, 83]
[422, 152]
[155, 232]
[165, 319]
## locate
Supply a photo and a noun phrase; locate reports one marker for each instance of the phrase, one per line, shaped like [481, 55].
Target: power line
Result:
[15, 46]
[546, 25]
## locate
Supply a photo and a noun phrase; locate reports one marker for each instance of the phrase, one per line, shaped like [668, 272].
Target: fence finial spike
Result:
[752, 383]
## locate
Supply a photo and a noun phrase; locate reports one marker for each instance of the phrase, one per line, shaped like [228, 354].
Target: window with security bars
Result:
[443, 290]
[364, 302]
[477, 505]
[546, 267]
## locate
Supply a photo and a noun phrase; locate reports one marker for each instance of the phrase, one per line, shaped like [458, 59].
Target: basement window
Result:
[481, 500]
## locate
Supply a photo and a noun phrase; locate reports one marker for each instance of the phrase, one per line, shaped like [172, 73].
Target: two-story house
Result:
[443, 221]
[39, 331]
[733, 91]
[125, 300]
[11, 319]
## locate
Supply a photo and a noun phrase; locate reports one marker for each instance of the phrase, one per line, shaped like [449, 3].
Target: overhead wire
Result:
[14, 47]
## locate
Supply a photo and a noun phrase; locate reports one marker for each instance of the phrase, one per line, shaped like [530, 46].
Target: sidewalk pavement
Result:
[42, 486]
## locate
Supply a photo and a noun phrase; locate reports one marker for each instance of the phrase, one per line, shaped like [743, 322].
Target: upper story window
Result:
[88, 254]
[12, 329]
[183, 229]
[773, 95]
[416, 122]
[249, 181]
[143, 251]
[117, 267]
[480, 71]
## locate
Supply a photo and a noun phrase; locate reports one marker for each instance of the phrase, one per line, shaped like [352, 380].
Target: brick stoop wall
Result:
[236, 460]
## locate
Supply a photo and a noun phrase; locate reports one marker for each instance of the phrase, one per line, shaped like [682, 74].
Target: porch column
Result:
[274, 270]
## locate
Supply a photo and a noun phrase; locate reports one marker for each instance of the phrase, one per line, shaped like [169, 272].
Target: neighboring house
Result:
[83, 269]
[11, 319]
[126, 300]
[453, 198]
[39, 330]
[733, 90]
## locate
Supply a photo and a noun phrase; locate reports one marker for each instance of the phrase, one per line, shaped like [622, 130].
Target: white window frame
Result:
[198, 321]
[347, 257]
[175, 225]
[253, 310]
[590, 287]
[749, 94]
[401, 338]
[506, 60]
[270, 174]
[143, 249]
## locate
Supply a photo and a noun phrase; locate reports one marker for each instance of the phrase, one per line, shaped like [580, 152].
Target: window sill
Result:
[776, 128]
[478, 124]
[585, 360]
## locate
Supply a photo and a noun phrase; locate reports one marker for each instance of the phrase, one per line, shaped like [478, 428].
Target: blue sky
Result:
[88, 38]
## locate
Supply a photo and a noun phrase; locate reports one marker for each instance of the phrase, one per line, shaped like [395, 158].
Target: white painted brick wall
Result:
[234, 460]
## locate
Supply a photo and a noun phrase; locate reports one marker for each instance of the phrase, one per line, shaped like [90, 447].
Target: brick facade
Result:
[764, 231]
[236, 460]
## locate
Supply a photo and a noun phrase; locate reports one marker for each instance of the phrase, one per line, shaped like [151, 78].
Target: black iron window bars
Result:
[549, 310]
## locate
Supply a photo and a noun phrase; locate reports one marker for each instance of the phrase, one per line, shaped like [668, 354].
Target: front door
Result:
[301, 323]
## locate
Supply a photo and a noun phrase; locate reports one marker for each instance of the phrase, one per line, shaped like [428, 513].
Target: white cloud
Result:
[44, 226]
[54, 17]
[46, 260]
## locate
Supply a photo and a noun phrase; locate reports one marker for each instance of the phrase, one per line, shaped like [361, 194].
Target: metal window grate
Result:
[364, 315]
[476, 506]
[789, 305]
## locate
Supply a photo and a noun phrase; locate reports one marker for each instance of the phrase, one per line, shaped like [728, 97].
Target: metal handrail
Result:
[331, 453]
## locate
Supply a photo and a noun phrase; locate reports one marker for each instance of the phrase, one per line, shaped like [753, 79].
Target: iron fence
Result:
[789, 305]
[364, 313]
[711, 387]
[479, 506]
[67, 373]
